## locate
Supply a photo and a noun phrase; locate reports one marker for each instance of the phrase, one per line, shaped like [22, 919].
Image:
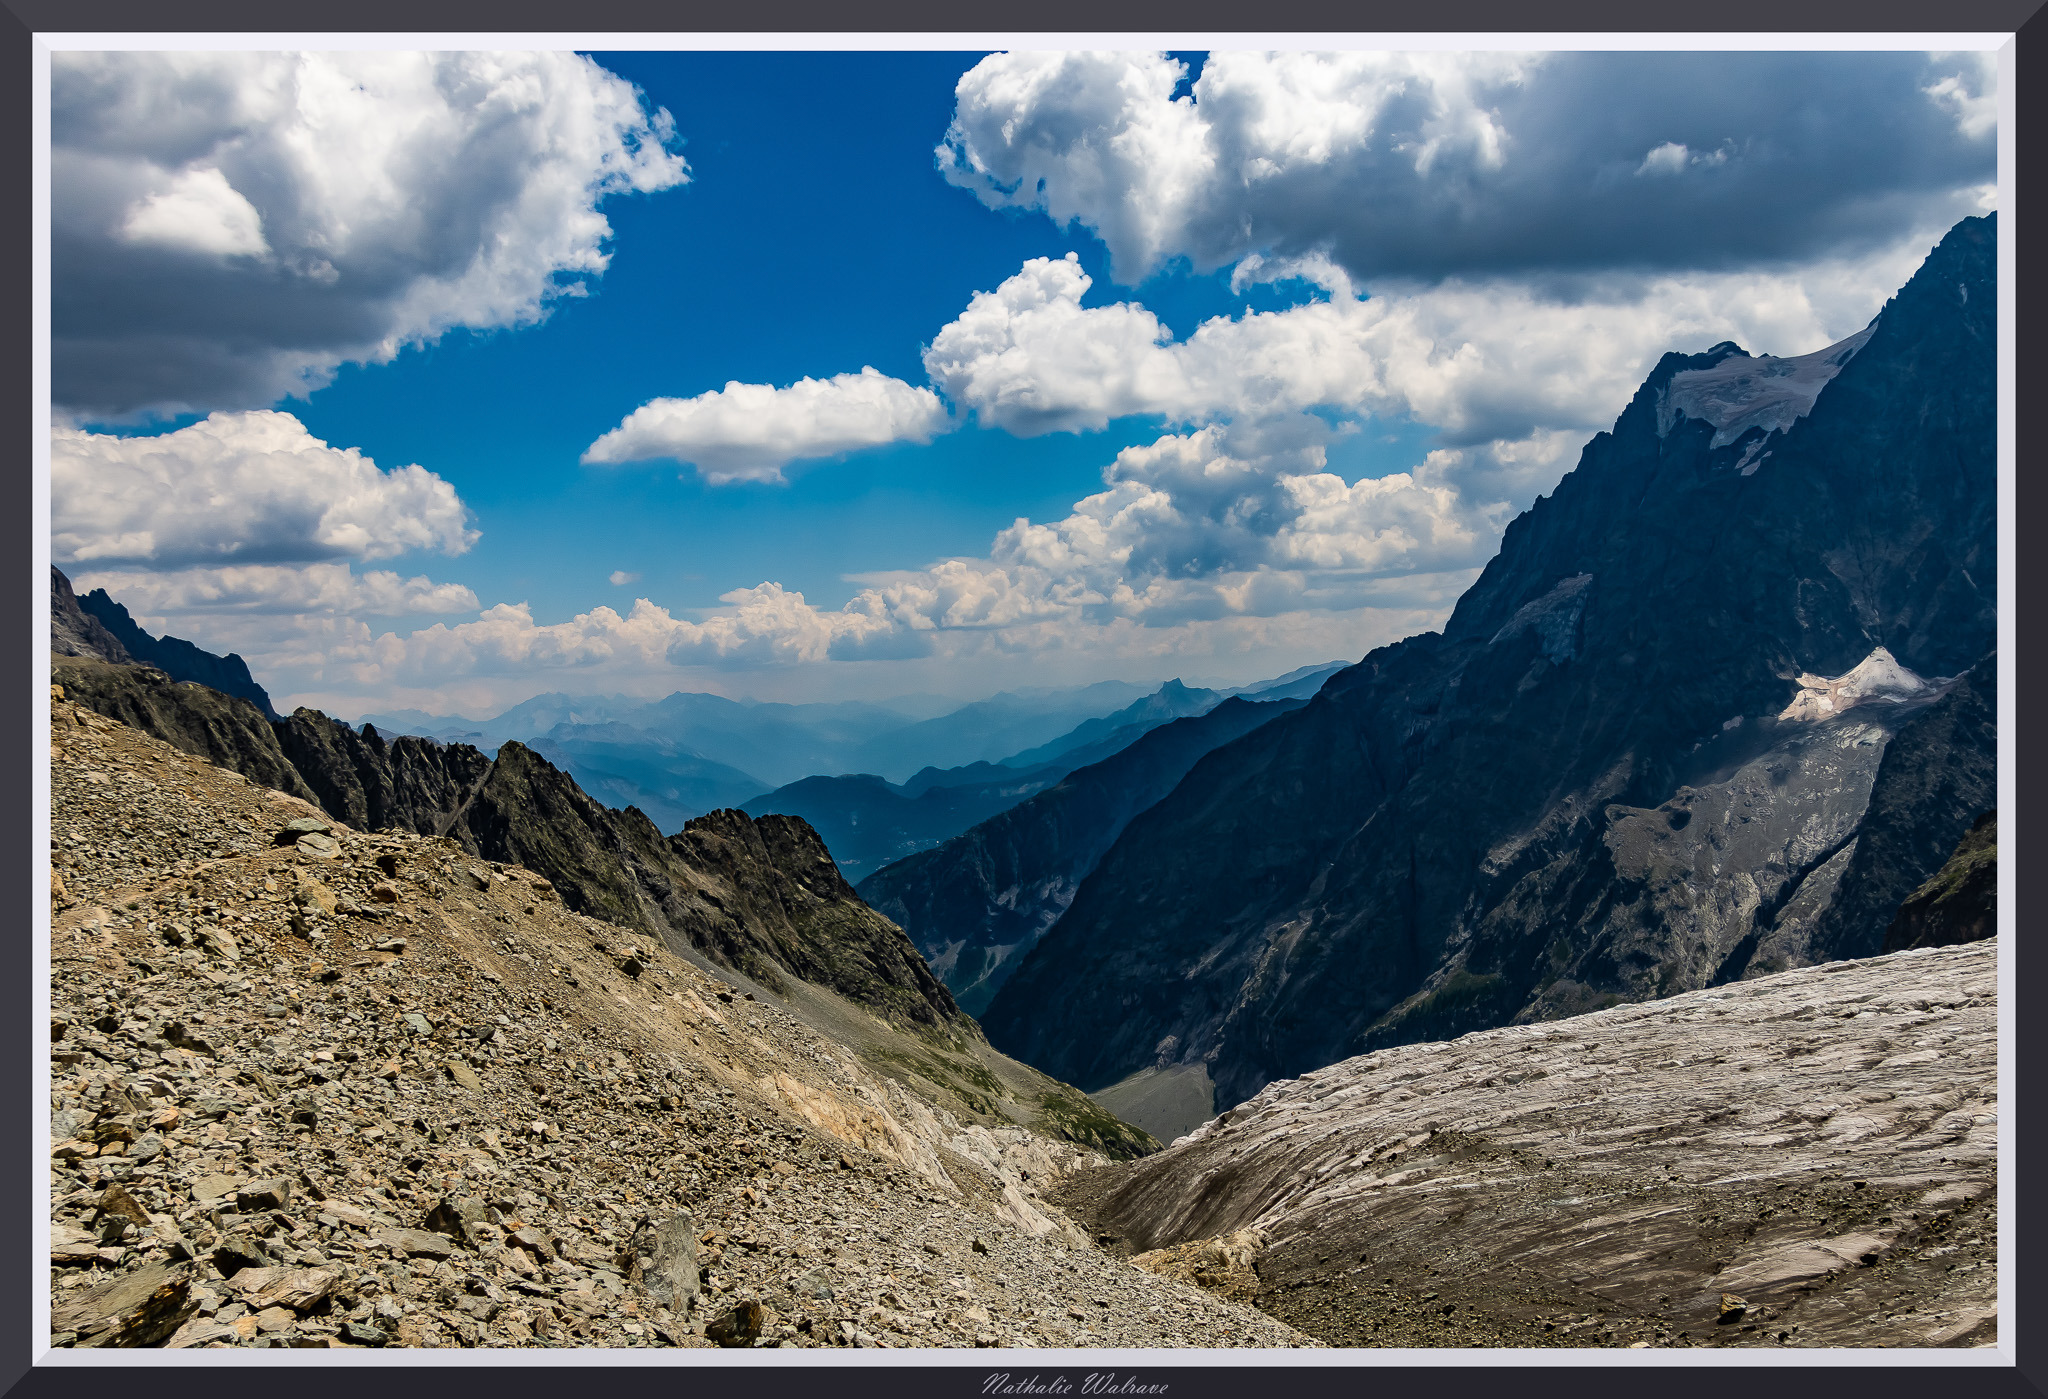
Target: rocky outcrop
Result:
[1462, 830]
[406, 784]
[177, 658]
[1807, 1159]
[223, 729]
[977, 904]
[1960, 903]
[760, 896]
[76, 632]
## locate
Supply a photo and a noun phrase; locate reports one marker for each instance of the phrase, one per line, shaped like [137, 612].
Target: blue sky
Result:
[1298, 284]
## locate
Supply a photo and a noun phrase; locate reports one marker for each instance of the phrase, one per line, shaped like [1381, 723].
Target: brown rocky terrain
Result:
[312, 1086]
[1805, 1159]
[757, 896]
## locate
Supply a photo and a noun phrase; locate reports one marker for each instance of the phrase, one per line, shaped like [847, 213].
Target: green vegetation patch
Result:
[1078, 1118]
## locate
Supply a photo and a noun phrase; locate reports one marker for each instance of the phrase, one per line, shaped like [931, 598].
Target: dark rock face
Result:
[762, 897]
[788, 899]
[179, 659]
[76, 632]
[978, 903]
[1960, 904]
[1463, 823]
[224, 729]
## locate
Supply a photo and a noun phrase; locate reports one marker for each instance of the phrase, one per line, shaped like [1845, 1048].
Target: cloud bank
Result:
[1489, 360]
[1427, 165]
[1499, 246]
[228, 228]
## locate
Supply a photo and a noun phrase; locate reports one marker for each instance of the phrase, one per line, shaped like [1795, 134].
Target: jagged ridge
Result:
[761, 897]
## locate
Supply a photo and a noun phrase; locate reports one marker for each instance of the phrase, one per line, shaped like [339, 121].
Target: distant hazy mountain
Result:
[989, 730]
[1095, 739]
[623, 766]
[784, 743]
[867, 822]
[862, 773]
[778, 743]
[525, 720]
[1299, 683]
[1170, 701]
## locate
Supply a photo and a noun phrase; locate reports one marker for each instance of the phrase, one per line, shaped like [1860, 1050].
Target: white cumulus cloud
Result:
[1488, 360]
[228, 228]
[198, 212]
[1217, 527]
[240, 488]
[750, 432]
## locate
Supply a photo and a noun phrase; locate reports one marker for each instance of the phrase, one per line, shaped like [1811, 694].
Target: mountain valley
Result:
[1646, 913]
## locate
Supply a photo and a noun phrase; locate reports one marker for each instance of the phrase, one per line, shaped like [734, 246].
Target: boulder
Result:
[664, 1261]
[303, 826]
[142, 1308]
[739, 1327]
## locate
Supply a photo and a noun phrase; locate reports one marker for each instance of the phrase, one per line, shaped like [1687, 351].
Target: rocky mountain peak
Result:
[1739, 392]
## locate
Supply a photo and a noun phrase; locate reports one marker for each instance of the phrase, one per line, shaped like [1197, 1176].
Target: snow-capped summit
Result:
[1878, 676]
[1745, 391]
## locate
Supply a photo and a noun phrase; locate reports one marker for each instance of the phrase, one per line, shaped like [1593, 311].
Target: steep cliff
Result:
[76, 632]
[407, 784]
[1960, 903]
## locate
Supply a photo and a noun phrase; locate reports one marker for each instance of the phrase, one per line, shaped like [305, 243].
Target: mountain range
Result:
[869, 821]
[761, 897]
[1719, 704]
[775, 744]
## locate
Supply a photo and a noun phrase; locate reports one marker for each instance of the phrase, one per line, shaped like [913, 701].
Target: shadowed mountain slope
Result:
[978, 903]
[1681, 672]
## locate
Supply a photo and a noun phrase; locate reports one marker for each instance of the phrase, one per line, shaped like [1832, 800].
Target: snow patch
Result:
[1877, 677]
[1744, 391]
